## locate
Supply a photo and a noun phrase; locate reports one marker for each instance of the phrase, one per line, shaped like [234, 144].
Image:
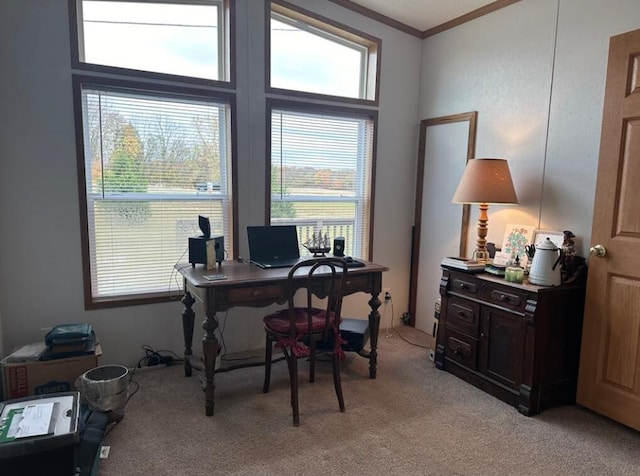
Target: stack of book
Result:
[495, 269]
[463, 264]
[69, 340]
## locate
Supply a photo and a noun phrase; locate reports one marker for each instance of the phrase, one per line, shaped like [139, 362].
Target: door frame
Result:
[472, 118]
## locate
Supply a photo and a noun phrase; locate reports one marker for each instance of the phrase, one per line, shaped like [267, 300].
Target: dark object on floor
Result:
[354, 333]
[88, 449]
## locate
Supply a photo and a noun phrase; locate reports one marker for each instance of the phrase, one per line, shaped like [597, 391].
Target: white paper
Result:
[210, 247]
[36, 420]
[501, 258]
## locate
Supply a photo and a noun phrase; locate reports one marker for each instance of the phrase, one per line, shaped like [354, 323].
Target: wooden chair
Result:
[297, 330]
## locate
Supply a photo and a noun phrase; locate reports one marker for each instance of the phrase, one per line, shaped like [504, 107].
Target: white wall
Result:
[40, 257]
[501, 65]
[509, 67]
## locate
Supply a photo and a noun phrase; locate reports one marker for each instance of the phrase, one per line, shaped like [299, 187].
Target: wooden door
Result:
[609, 375]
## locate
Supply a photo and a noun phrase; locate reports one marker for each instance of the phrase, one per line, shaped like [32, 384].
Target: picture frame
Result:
[516, 237]
[556, 237]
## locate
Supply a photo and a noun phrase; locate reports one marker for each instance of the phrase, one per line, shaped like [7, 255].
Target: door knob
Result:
[598, 251]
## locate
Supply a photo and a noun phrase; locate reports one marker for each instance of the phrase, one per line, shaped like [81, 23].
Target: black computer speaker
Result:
[338, 246]
[198, 249]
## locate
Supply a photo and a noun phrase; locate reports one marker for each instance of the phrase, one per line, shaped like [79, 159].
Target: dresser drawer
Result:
[254, 294]
[463, 316]
[461, 348]
[469, 287]
[507, 297]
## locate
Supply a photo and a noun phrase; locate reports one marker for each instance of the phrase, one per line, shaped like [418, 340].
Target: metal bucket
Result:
[105, 388]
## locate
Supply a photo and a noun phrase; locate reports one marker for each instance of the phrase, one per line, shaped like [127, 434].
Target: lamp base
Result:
[481, 254]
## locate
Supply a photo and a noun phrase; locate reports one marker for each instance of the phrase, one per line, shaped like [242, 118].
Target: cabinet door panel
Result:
[502, 346]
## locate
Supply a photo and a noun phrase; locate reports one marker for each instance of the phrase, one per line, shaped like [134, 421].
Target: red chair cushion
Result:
[279, 321]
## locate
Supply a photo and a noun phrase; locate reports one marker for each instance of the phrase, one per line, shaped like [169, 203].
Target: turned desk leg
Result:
[374, 326]
[188, 317]
[210, 347]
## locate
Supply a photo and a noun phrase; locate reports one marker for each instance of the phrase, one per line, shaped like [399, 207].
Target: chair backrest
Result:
[323, 279]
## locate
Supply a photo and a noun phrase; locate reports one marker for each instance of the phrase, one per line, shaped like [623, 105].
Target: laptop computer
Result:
[273, 246]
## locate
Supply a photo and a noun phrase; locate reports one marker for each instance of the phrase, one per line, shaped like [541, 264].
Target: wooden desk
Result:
[251, 286]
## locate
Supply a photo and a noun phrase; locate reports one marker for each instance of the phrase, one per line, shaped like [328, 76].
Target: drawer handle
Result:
[461, 314]
[463, 286]
[504, 297]
[255, 293]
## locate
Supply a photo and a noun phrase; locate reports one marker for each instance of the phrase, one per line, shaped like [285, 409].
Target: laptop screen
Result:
[270, 244]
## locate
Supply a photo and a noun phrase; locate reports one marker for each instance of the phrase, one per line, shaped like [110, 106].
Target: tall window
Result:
[181, 37]
[151, 157]
[152, 162]
[321, 165]
[321, 152]
[308, 54]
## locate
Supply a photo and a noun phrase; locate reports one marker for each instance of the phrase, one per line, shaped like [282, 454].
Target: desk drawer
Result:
[356, 284]
[254, 294]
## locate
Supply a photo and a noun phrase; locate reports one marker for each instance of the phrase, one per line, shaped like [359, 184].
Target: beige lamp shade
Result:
[486, 181]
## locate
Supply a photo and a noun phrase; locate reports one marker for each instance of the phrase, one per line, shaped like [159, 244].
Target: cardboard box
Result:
[24, 379]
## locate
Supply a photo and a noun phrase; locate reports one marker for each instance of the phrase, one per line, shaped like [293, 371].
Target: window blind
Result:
[321, 169]
[153, 163]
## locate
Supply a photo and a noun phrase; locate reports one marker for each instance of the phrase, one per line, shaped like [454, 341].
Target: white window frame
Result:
[364, 193]
[226, 69]
[93, 299]
[171, 85]
[368, 45]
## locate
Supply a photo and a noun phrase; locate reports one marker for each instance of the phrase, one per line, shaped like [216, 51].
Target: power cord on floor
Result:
[157, 357]
[412, 343]
[389, 300]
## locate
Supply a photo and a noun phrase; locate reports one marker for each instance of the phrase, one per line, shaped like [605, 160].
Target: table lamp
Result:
[485, 181]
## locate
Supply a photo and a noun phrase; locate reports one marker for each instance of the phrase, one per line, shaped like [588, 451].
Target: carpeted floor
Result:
[412, 419]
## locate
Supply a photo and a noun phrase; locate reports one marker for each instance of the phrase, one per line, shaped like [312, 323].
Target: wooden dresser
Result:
[518, 342]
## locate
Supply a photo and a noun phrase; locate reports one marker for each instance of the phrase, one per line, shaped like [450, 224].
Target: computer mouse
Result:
[348, 259]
